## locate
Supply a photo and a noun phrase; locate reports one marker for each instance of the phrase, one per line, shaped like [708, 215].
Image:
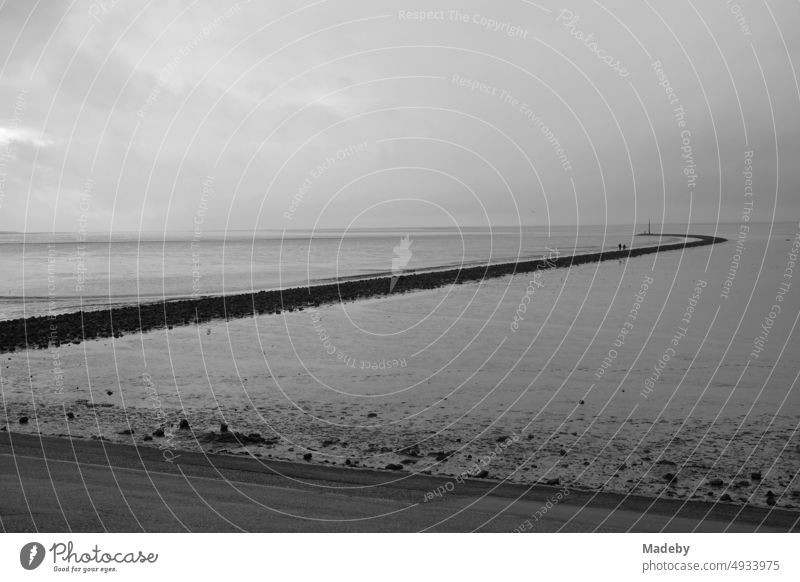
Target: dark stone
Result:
[755, 476]
[147, 438]
[223, 427]
[4, 429]
[394, 467]
[348, 462]
[555, 481]
[109, 392]
[622, 467]
[666, 462]
[330, 442]
[716, 483]
[70, 415]
[770, 498]
[562, 452]
[408, 461]
[482, 474]
[670, 478]
[412, 451]
[23, 420]
[307, 457]
[725, 497]
[372, 415]
[184, 424]
[159, 432]
[582, 402]
[127, 431]
[740, 484]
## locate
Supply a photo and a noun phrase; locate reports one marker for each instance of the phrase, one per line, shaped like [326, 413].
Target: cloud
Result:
[23, 135]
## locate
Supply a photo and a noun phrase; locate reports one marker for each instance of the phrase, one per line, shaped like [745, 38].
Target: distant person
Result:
[624, 247]
[620, 246]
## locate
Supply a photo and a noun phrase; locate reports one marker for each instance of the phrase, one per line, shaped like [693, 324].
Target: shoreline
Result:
[76, 327]
[354, 488]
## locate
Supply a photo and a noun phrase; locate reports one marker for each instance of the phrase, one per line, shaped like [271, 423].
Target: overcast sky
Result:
[132, 116]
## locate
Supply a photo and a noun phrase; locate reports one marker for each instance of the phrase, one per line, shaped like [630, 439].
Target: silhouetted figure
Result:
[624, 247]
[620, 246]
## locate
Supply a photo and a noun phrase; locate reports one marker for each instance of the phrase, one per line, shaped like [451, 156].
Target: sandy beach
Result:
[446, 383]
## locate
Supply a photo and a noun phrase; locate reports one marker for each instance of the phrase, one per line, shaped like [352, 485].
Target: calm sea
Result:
[47, 273]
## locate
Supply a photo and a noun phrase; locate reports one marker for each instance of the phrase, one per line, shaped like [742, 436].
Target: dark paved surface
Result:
[57, 485]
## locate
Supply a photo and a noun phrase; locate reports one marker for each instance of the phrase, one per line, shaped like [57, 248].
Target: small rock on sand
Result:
[70, 415]
[716, 483]
[307, 457]
[159, 432]
[670, 477]
[372, 415]
[23, 420]
[184, 424]
[412, 451]
[394, 467]
[223, 427]
[127, 431]
[755, 476]
[725, 497]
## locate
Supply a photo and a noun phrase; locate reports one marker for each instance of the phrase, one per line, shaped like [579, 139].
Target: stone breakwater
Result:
[41, 332]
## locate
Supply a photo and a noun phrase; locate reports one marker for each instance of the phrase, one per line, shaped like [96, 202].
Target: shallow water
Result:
[54, 273]
[696, 388]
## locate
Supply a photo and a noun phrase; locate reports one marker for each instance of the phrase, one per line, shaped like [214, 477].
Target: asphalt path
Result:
[52, 484]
